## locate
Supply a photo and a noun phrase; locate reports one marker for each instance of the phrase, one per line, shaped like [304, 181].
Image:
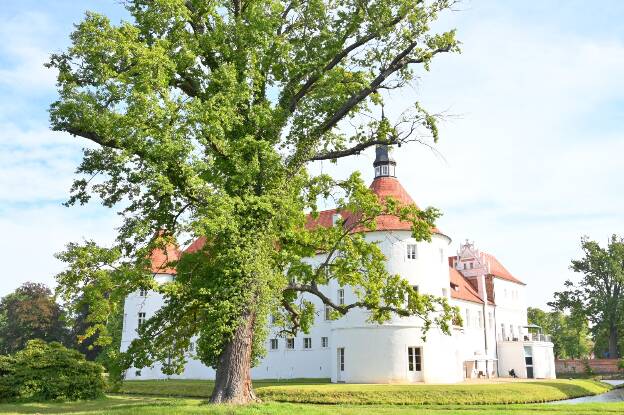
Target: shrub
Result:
[588, 369]
[620, 364]
[49, 371]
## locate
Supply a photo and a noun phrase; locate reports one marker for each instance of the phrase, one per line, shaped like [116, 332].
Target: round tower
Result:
[395, 350]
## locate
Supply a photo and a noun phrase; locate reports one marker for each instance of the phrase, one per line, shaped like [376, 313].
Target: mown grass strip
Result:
[198, 388]
[465, 394]
[319, 391]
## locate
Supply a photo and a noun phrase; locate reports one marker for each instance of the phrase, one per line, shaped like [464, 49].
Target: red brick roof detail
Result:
[325, 219]
[390, 187]
[161, 258]
[196, 245]
[383, 187]
[465, 291]
[498, 270]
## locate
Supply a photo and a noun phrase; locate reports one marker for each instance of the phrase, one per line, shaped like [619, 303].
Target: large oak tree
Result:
[203, 117]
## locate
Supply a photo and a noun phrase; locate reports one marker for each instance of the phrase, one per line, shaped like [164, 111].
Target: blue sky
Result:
[532, 148]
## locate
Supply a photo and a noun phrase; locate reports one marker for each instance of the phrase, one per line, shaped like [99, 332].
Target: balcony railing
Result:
[529, 337]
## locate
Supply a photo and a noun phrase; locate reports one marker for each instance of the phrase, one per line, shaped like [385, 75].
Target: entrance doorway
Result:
[414, 364]
[528, 360]
[341, 364]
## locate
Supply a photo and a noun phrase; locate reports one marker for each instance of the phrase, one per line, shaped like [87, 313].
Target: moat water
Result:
[614, 395]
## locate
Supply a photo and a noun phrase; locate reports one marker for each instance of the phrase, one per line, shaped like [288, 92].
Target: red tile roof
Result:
[161, 258]
[383, 187]
[464, 291]
[498, 270]
[196, 245]
[391, 187]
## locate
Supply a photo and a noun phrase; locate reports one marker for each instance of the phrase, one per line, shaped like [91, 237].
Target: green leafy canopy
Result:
[205, 116]
[599, 294]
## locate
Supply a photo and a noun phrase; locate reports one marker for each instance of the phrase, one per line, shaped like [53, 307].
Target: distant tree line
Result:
[31, 312]
[570, 333]
[588, 314]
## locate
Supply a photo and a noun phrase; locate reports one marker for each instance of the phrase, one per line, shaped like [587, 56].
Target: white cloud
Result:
[32, 235]
[25, 47]
[36, 165]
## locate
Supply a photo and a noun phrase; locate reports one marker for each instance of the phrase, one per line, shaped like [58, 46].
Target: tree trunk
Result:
[233, 378]
[613, 341]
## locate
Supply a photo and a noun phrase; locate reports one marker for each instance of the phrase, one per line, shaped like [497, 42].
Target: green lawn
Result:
[135, 405]
[320, 391]
[198, 388]
[311, 397]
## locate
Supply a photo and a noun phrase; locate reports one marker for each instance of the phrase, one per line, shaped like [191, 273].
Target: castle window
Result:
[327, 313]
[377, 171]
[384, 170]
[411, 251]
[490, 320]
[472, 265]
[414, 359]
[290, 343]
[307, 342]
[274, 344]
[341, 296]
[324, 342]
[480, 318]
[143, 292]
[341, 359]
[137, 373]
[191, 347]
[441, 255]
[142, 319]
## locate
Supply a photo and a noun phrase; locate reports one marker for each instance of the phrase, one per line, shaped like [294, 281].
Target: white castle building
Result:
[493, 341]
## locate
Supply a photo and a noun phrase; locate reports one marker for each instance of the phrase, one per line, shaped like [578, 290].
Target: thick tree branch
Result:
[344, 309]
[305, 88]
[357, 149]
[400, 61]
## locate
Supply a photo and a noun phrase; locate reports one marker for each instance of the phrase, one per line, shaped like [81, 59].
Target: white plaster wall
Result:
[379, 354]
[512, 356]
[543, 360]
[509, 311]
